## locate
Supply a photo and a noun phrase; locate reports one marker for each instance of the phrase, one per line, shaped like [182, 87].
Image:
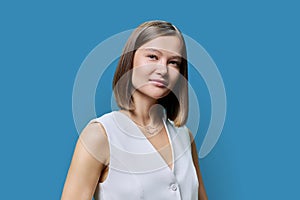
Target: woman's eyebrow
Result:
[176, 57]
[153, 50]
[156, 50]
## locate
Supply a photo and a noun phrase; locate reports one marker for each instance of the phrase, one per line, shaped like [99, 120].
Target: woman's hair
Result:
[176, 102]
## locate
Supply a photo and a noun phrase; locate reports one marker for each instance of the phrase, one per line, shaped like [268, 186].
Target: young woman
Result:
[144, 150]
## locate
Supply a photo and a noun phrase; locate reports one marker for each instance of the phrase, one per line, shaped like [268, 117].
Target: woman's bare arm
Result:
[89, 159]
[201, 191]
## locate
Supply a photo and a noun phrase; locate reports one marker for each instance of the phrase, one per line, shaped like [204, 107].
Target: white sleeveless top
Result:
[137, 170]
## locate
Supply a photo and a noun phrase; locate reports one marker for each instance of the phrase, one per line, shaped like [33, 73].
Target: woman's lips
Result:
[158, 82]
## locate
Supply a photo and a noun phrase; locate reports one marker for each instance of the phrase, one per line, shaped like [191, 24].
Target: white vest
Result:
[137, 170]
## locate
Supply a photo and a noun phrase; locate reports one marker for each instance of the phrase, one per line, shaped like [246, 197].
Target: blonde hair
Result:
[176, 102]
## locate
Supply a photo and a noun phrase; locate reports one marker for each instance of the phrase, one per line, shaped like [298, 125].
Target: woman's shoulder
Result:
[96, 126]
[180, 134]
[104, 117]
[94, 139]
[182, 128]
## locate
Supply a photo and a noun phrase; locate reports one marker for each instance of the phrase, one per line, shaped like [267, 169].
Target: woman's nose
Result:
[162, 67]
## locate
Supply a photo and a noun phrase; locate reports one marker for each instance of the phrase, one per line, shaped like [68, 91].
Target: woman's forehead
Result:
[164, 44]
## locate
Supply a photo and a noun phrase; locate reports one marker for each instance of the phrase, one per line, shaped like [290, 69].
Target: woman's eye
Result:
[175, 63]
[152, 57]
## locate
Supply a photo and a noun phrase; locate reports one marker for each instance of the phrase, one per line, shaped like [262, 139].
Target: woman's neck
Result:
[146, 111]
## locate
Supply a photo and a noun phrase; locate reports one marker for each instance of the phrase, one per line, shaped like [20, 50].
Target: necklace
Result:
[151, 130]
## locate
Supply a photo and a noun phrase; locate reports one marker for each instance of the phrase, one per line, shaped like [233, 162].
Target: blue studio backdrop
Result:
[255, 45]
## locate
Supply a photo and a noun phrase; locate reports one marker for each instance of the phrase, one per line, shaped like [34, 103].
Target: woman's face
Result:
[156, 66]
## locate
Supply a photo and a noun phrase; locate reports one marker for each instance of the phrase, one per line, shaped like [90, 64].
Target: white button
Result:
[174, 187]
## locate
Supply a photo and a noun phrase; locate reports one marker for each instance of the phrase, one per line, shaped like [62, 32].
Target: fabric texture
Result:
[137, 170]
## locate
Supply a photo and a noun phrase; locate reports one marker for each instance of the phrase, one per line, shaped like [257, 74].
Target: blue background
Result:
[255, 45]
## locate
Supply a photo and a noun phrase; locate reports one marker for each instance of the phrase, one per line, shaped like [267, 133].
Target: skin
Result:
[155, 72]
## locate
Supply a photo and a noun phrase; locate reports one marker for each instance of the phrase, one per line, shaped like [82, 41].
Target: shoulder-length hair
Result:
[176, 102]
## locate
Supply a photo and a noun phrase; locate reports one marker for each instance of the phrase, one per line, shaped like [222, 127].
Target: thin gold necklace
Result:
[150, 129]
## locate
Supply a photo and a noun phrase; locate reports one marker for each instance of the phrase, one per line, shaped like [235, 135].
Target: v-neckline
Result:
[144, 137]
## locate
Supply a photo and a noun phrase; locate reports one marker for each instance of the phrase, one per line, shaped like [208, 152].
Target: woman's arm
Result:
[201, 191]
[89, 159]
